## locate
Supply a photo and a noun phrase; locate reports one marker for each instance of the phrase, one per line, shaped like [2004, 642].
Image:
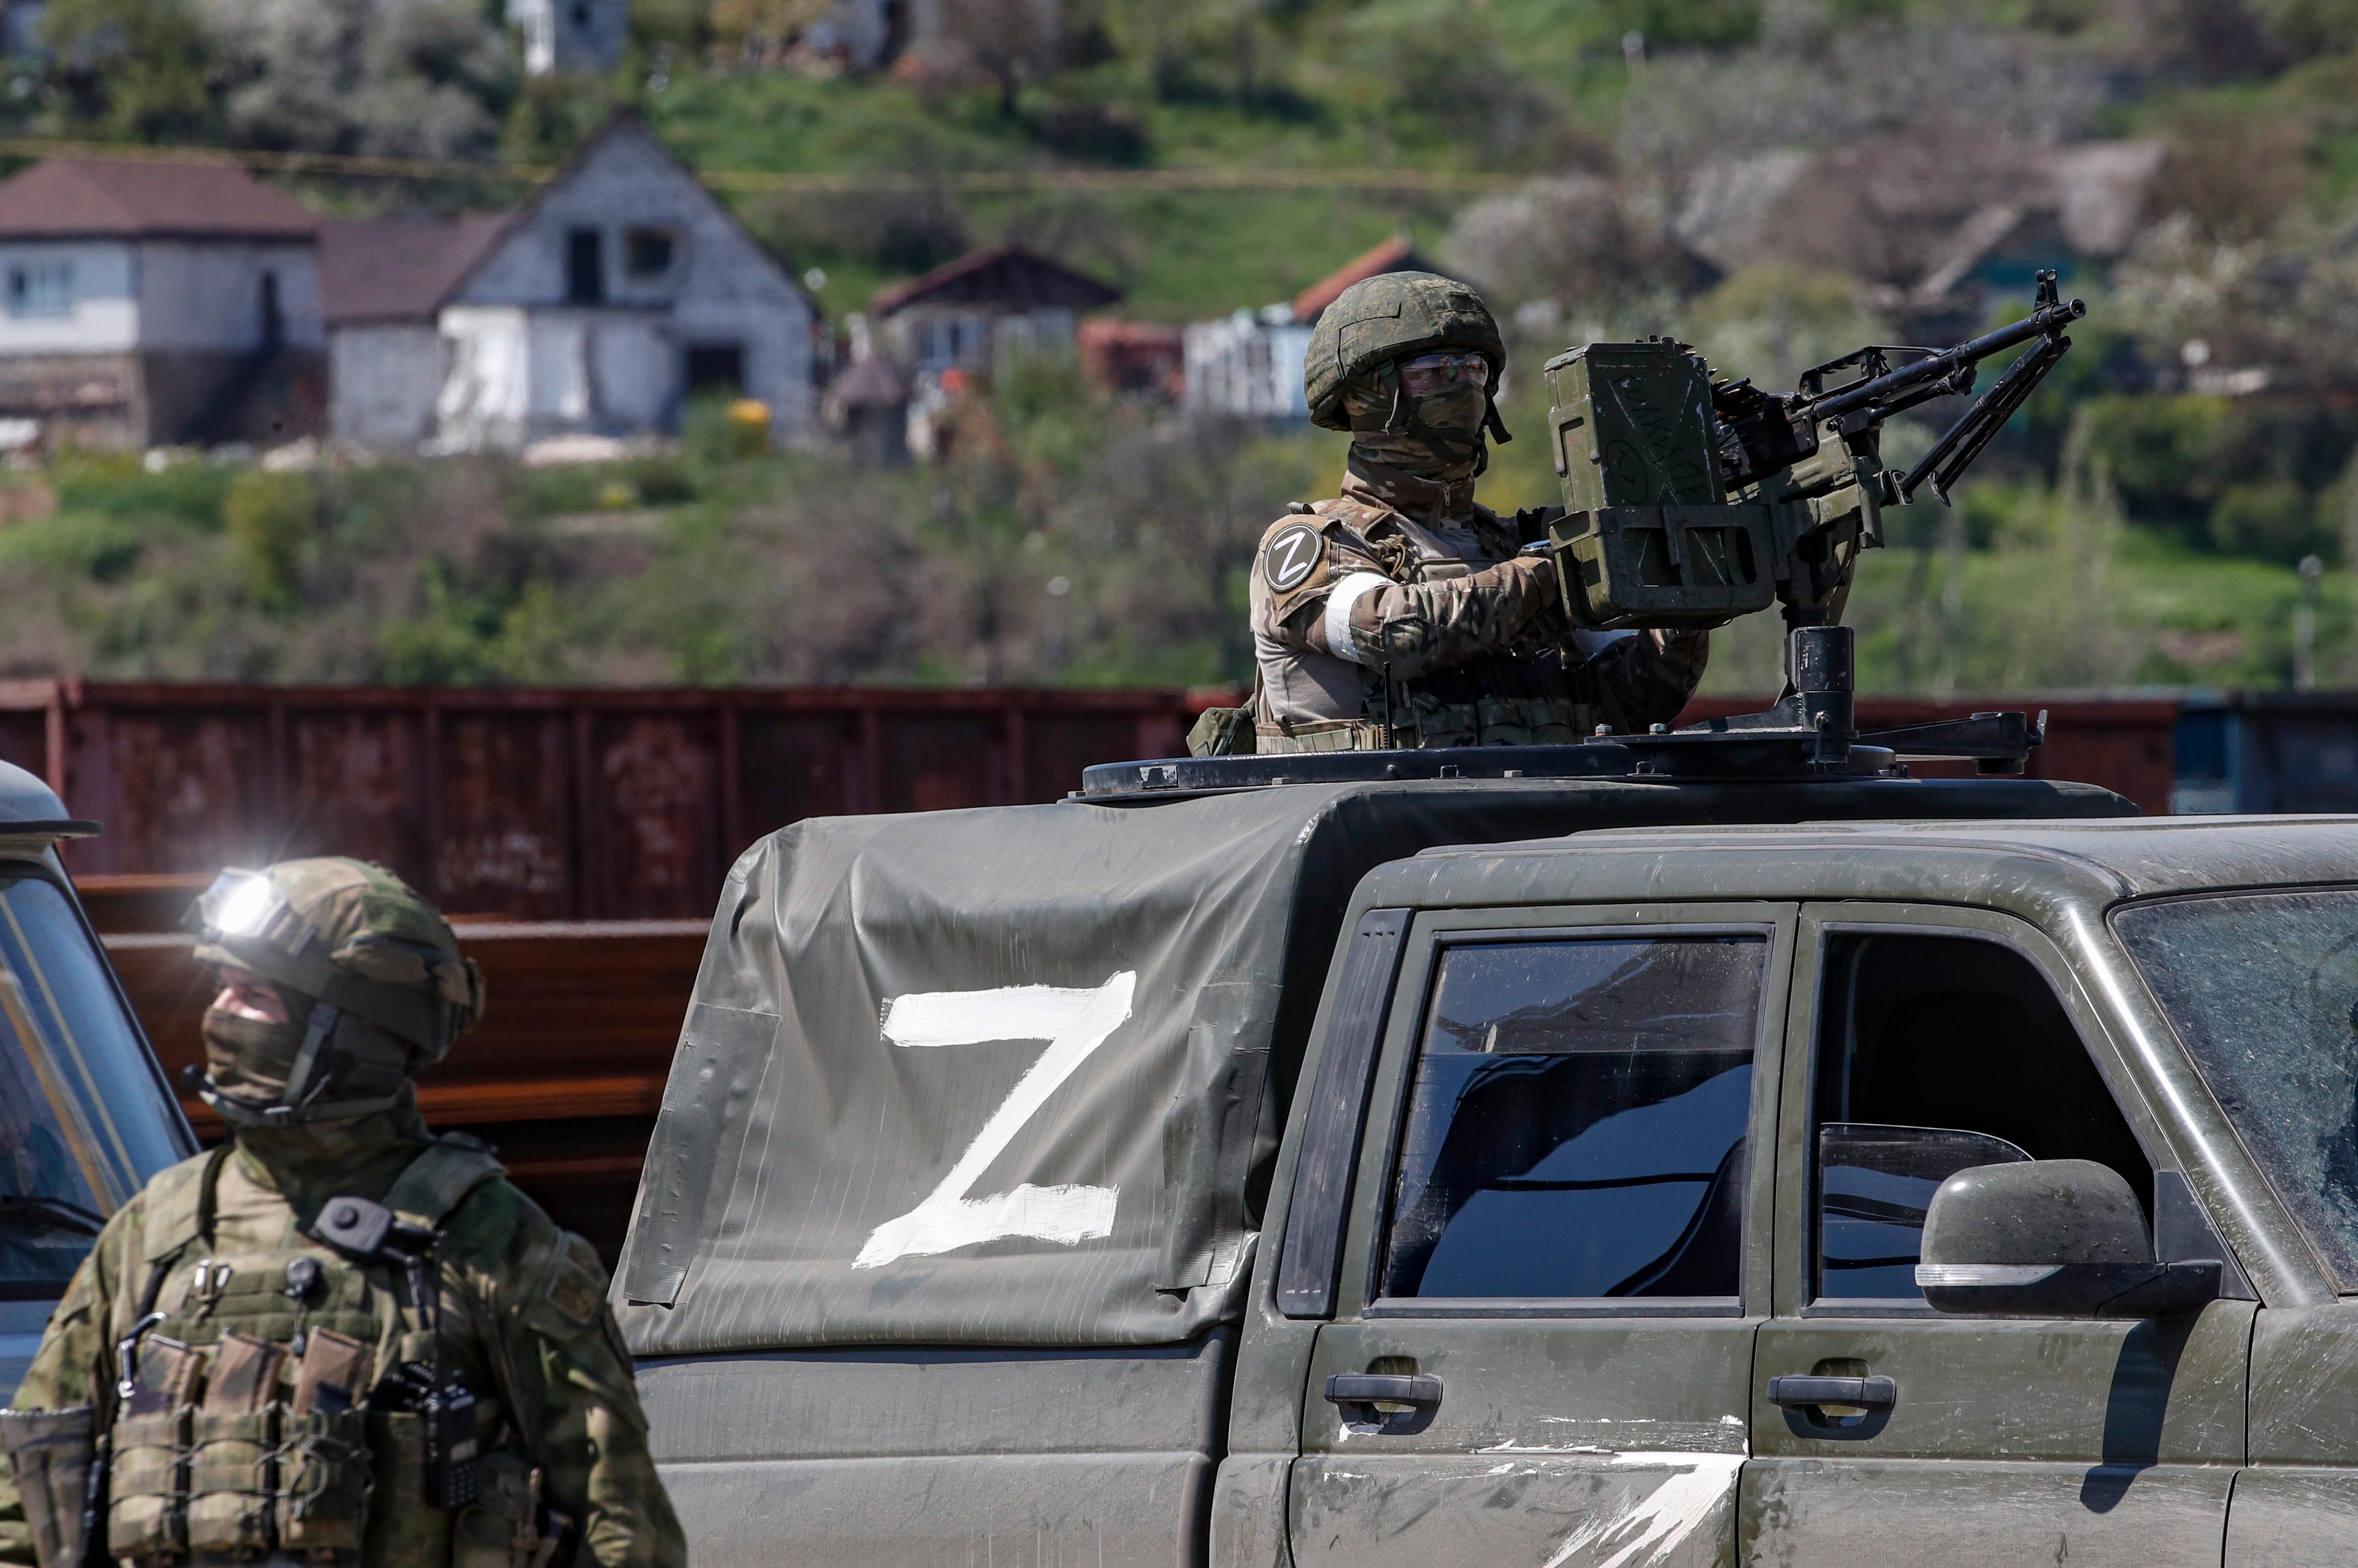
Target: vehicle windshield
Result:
[83, 1116]
[2263, 989]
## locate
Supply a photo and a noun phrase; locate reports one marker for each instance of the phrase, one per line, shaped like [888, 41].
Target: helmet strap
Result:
[1402, 418]
[306, 1060]
[1495, 426]
[241, 1113]
[1458, 444]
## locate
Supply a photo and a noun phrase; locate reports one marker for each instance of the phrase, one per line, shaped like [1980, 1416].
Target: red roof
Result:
[1008, 277]
[398, 270]
[78, 198]
[1393, 255]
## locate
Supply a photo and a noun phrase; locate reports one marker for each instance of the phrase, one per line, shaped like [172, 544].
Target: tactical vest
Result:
[1495, 699]
[259, 1428]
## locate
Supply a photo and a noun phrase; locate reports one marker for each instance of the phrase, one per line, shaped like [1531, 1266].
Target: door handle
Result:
[1386, 1388]
[1794, 1393]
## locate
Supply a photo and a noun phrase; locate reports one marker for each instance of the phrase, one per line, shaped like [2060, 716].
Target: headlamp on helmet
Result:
[247, 906]
[377, 984]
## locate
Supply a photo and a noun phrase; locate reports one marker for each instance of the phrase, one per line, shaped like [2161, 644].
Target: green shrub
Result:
[2274, 520]
[2163, 454]
[72, 544]
[489, 637]
[712, 439]
[268, 519]
[118, 484]
[660, 482]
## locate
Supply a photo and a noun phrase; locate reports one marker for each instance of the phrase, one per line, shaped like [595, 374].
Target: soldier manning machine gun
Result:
[1689, 501]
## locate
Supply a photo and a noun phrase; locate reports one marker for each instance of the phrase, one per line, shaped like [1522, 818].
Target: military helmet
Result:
[387, 987]
[1393, 315]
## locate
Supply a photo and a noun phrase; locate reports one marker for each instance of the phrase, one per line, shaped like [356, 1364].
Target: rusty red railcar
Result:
[540, 804]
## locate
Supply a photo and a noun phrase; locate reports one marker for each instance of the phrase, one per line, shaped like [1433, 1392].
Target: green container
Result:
[1649, 538]
[1632, 427]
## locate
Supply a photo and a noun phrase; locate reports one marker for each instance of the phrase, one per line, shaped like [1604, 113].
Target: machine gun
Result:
[1690, 501]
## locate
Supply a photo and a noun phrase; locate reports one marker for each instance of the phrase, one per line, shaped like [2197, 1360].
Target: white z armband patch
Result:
[1337, 625]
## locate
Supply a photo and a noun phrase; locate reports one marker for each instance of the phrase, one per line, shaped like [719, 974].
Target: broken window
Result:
[2263, 989]
[717, 369]
[1936, 1054]
[585, 267]
[1576, 1124]
[647, 254]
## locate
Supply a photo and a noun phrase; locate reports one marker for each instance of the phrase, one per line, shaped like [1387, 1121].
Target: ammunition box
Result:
[1663, 566]
[1649, 539]
[1632, 425]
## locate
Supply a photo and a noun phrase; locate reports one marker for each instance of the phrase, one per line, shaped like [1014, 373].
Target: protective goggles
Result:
[248, 906]
[1428, 374]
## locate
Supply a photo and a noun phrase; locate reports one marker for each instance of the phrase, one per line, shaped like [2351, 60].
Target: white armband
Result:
[1339, 599]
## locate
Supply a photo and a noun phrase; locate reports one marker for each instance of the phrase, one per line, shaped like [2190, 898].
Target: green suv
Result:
[1613, 1160]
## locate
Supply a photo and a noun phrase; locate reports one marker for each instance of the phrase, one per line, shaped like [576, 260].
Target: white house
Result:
[156, 301]
[1249, 363]
[382, 284]
[571, 35]
[621, 291]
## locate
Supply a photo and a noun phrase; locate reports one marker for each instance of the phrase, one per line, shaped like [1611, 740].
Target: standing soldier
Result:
[1401, 614]
[338, 1338]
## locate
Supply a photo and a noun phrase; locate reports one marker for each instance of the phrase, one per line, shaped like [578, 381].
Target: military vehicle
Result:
[85, 1114]
[1674, 1149]
[1686, 1148]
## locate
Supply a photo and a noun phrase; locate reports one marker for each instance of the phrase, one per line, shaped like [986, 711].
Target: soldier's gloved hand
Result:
[1536, 572]
[1527, 591]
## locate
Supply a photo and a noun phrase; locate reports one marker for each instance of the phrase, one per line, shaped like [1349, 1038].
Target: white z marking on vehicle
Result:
[1074, 1023]
[1695, 1488]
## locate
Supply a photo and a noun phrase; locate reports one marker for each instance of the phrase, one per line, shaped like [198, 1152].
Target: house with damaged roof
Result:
[621, 291]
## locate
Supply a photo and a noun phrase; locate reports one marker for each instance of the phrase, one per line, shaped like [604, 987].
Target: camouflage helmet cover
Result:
[1393, 315]
[349, 934]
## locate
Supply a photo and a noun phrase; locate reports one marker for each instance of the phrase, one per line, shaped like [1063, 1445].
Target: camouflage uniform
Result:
[276, 1415]
[1401, 614]
[1378, 625]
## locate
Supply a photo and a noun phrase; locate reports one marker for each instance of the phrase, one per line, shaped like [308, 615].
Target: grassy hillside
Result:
[2140, 524]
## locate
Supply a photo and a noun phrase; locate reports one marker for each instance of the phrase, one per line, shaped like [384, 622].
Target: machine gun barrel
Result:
[2044, 322]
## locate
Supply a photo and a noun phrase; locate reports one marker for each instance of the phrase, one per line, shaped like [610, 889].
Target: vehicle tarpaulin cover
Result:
[1017, 1075]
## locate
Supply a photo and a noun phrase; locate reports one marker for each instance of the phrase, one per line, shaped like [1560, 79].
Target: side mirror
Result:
[2049, 1239]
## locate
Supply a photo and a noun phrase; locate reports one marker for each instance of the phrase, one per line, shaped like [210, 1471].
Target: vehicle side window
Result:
[1577, 1120]
[1934, 1055]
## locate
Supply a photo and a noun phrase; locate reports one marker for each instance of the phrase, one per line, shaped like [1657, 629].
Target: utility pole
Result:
[2304, 626]
[1953, 603]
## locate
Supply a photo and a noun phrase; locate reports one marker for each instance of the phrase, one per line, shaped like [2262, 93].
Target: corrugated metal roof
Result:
[142, 198]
